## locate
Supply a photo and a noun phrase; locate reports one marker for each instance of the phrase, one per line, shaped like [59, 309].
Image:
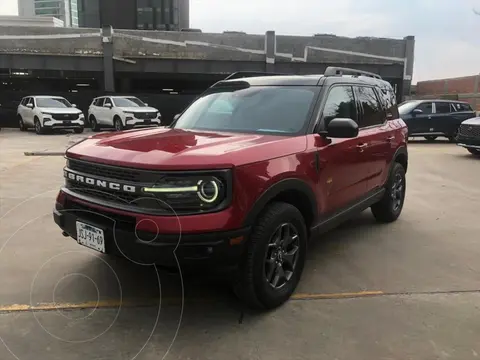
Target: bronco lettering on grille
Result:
[104, 184]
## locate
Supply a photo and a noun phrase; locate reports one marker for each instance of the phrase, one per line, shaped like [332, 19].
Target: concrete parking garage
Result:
[408, 290]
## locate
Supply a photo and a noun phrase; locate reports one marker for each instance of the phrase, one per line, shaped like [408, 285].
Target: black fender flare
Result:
[275, 190]
[401, 151]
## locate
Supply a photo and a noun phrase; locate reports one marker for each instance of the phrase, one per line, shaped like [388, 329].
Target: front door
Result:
[343, 176]
[421, 123]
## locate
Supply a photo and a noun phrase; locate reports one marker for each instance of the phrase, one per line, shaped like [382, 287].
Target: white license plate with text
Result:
[90, 236]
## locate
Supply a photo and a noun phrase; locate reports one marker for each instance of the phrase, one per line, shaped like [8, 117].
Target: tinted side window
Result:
[340, 104]
[373, 114]
[442, 107]
[24, 101]
[425, 107]
[462, 107]
[389, 102]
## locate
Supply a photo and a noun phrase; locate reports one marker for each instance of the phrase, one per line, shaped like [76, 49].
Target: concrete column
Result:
[108, 66]
[408, 66]
[270, 50]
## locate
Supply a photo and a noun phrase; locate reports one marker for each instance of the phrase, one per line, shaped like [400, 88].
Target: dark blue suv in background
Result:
[434, 118]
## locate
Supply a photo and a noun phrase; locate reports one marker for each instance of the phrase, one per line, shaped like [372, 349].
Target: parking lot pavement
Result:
[408, 290]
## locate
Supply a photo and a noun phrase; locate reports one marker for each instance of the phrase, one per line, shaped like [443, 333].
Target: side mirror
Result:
[175, 118]
[30, 105]
[146, 104]
[342, 128]
[417, 112]
[108, 106]
[74, 105]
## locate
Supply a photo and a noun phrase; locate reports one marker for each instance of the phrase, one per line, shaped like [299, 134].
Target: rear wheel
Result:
[474, 151]
[117, 123]
[430, 138]
[273, 264]
[38, 127]
[388, 209]
[21, 124]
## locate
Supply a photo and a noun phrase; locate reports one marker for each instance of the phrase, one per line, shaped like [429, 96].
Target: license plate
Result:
[90, 236]
[147, 121]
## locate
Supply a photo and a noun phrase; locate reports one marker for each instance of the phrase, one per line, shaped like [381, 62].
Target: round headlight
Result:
[208, 191]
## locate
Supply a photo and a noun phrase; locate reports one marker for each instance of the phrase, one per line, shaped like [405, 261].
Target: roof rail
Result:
[339, 71]
[245, 74]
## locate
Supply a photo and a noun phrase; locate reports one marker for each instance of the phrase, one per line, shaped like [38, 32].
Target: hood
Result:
[172, 149]
[473, 121]
[138, 109]
[60, 110]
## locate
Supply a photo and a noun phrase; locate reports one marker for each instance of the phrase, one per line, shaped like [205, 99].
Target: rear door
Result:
[442, 119]
[375, 134]
[343, 173]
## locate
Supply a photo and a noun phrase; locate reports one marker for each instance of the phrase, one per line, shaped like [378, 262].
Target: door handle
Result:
[391, 138]
[429, 117]
[361, 147]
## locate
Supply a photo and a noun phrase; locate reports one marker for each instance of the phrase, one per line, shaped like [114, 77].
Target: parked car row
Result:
[455, 120]
[48, 113]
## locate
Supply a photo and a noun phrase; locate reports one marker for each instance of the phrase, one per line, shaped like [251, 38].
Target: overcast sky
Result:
[446, 31]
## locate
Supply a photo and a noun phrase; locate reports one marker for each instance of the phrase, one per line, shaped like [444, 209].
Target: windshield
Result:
[270, 109]
[128, 102]
[407, 107]
[53, 103]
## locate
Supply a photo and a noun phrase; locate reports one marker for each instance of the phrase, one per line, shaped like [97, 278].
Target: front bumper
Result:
[132, 122]
[122, 239]
[50, 123]
[469, 142]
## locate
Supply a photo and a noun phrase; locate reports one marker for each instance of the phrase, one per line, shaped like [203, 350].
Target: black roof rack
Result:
[339, 71]
[246, 74]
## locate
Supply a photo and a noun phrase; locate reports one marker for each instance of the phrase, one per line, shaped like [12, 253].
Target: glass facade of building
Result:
[157, 15]
[65, 10]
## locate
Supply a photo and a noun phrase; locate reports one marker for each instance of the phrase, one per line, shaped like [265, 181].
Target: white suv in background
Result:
[49, 113]
[121, 112]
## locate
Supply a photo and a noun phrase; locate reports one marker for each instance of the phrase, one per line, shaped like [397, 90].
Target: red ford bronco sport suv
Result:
[245, 176]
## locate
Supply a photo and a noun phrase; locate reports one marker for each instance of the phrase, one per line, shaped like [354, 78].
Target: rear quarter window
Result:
[389, 102]
[462, 107]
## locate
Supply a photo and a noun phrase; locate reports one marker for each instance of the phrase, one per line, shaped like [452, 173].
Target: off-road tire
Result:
[384, 210]
[251, 284]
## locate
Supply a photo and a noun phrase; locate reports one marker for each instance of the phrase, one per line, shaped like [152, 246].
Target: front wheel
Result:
[275, 257]
[21, 124]
[388, 209]
[117, 123]
[474, 151]
[38, 127]
[453, 138]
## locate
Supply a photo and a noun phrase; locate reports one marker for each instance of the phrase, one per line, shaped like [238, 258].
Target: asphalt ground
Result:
[408, 290]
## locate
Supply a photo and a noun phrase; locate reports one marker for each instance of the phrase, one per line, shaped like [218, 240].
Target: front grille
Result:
[145, 201]
[145, 115]
[65, 116]
[114, 172]
[469, 130]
